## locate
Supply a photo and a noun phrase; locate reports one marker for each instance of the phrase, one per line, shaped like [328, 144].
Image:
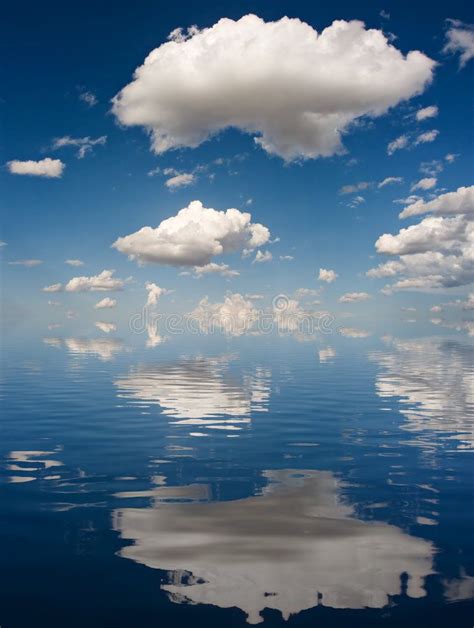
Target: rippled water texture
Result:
[235, 482]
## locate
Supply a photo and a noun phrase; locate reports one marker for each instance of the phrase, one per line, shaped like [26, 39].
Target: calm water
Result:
[213, 482]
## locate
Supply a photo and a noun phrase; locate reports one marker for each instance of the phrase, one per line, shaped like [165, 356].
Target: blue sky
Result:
[60, 57]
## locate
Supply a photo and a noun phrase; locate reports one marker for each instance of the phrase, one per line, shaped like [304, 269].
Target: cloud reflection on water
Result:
[433, 381]
[295, 546]
[199, 391]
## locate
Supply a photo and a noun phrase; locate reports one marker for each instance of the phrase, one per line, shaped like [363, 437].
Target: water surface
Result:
[210, 482]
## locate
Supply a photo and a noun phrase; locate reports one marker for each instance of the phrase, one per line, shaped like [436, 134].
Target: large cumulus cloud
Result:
[194, 236]
[295, 89]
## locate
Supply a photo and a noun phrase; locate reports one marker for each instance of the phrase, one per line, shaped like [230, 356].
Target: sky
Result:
[319, 151]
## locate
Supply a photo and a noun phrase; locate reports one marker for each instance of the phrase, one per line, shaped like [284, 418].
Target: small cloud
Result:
[55, 287]
[89, 98]
[74, 262]
[355, 187]
[431, 168]
[460, 39]
[384, 15]
[327, 275]
[427, 112]
[409, 200]
[180, 180]
[213, 268]
[353, 297]
[48, 168]
[398, 144]
[106, 327]
[102, 282]
[83, 144]
[254, 297]
[451, 157]
[28, 263]
[428, 136]
[263, 256]
[424, 184]
[303, 293]
[286, 258]
[356, 201]
[105, 303]
[390, 181]
[352, 332]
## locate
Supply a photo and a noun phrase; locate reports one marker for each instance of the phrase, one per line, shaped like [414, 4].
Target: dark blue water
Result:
[214, 482]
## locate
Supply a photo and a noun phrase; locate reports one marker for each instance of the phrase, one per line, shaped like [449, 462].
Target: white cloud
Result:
[390, 181]
[427, 112]
[29, 263]
[286, 258]
[213, 268]
[435, 253]
[424, 184]
[55, 287]
[193, 237]
[459, 202]
[303, 293]
[406, 141]
[296, 90]
[2, 244]
[435, 309]
[397, 144]
[355, 202]
[352, 332]
[353, 297]
[89, 98]
[102, 282]
[356, 187]
[469, 303]
[54, 303]
[451, 157]
[235, 316]
[74, 262]
[49, 168]
[460, 38]
[426, 137]
[180, 181]
[83, 144]
[432, 168]
[327, 275]
[432, 233]
[154, 293]
[106, 327]
[408, 200]
[105, 303]
[263, 256]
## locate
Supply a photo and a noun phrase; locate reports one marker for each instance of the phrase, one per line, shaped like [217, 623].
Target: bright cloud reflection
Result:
[295, 546]
[103, 348]
[199, 391]
[433, 381]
